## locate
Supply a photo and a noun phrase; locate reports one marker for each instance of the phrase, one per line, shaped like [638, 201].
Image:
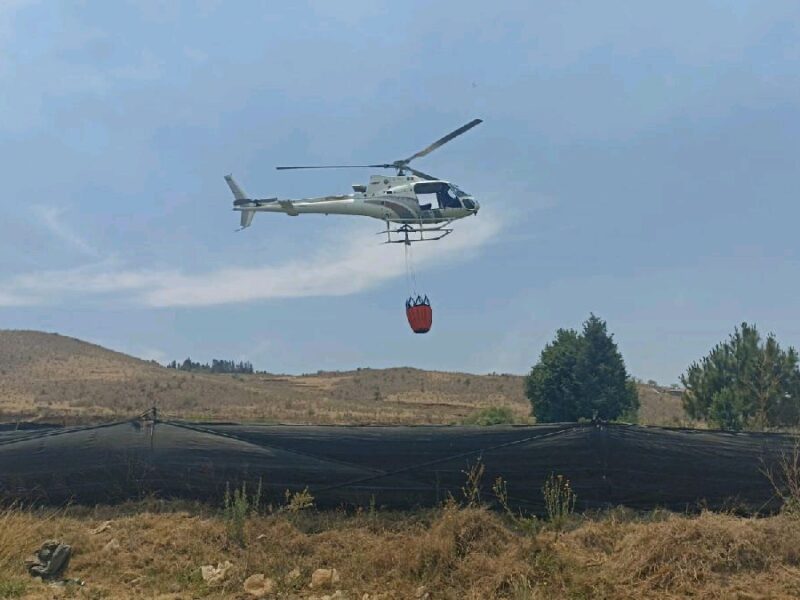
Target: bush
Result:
[493, 415]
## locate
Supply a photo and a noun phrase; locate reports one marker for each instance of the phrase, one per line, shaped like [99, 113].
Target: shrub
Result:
[492, 415]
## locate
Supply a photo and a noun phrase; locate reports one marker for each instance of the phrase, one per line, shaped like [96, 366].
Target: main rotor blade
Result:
[421, 174]
[444, 140]
[337, 167]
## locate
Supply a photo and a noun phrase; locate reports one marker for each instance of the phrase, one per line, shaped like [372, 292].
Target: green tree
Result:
[581, 375]
[552, 386]
[745, 382]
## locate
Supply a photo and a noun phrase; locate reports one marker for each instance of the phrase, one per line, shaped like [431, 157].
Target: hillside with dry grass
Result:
[49, 377]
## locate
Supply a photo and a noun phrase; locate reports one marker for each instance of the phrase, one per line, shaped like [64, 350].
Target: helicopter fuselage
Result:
[396, 199]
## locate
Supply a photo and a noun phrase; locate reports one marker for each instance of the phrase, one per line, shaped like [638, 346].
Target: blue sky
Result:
[638, 161]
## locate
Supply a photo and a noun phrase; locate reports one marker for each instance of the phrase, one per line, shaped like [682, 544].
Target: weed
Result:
[12, 588]
[527, 523]
[237, 507]
[785, 479]
[373, 508]
[189, 578]
[472, 487]
[297, 501]
[559, 501]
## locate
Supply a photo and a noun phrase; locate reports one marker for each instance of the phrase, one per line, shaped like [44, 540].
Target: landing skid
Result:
[409, 233]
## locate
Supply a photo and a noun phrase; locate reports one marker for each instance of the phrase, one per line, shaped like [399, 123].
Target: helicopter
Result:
[415, 206]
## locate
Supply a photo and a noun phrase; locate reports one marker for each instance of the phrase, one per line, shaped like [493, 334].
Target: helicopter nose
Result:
[470, 204]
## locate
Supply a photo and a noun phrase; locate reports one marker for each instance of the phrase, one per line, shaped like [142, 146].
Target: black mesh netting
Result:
[400, 467]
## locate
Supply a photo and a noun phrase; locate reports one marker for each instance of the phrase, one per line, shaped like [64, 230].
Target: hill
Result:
[50, 377]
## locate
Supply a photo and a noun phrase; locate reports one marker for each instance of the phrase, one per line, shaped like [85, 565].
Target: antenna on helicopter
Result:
[402, 164]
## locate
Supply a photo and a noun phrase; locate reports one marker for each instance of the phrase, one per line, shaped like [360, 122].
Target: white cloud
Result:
[353, 264]
[9, 300]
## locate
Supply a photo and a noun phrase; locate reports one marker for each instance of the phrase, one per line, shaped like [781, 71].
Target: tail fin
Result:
[238, 193]
[247, 217]
[241, 202]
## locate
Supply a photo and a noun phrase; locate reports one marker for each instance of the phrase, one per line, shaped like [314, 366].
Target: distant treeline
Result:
[216, 366]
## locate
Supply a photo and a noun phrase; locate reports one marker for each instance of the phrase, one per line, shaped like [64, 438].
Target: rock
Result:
[50, 561]
[258, 585]
[213, 575]
[101, 528]
[292, 575]
[324, 578]
[111, 546]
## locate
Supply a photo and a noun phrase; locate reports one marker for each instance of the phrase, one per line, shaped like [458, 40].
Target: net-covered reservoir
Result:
[397, 467]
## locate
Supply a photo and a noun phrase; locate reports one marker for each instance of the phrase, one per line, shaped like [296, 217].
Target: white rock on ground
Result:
[212, 574]
[101, 528]
[324, 578]
[292, 575]
[258, 585]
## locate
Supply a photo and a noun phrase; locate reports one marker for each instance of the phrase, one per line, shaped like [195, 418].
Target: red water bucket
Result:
[419, 313]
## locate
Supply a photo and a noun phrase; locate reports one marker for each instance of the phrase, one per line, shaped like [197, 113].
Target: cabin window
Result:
[436, 194]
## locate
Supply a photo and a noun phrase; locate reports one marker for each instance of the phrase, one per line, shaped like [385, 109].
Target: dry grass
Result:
[452, 552]
[48, 377]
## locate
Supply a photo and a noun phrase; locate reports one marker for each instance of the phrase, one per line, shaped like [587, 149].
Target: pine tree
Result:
[606, 389]
[581, 376]
[744, 383]
[552, 386]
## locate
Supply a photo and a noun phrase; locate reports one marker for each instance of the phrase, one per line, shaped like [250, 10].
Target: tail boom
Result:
[242, 202]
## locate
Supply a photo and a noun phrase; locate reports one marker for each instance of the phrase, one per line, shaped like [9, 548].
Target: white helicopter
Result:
[411, 205]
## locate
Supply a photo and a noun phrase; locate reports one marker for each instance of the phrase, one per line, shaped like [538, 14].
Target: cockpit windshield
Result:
[458, 191]
[437, 193]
